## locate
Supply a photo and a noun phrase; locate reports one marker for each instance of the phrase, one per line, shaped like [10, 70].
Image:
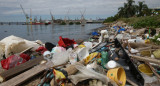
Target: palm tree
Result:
[121, 12]
[142, 8]
[130, 8]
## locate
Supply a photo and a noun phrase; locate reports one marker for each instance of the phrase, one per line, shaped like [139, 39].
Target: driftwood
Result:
[143, 45]
[71, 70]
[153, 70]
[131, 82]
[27, 75]
[79, 41]
[147, 59]
[7, 74]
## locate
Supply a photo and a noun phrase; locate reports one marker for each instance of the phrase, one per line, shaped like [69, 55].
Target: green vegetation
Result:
[78, 23]
[155, 39]
[142, 22]
[138, 15]
[110, 19]
[130, 9]
[63, 23]
[71, 23]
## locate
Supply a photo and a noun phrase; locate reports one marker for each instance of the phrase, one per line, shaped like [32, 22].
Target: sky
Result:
[11, 11]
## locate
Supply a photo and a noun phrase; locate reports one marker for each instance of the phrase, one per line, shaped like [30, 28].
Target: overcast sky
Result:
[10, 9]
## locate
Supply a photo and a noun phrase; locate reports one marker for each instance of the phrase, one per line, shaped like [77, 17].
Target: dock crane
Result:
[66, 16]
[26, 15]
[30, 16]
[52, 17]
[82, 17]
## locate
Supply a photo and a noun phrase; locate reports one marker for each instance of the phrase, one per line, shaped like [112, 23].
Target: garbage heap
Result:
[114, 55]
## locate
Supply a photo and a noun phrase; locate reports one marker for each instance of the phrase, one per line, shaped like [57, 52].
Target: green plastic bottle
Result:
[105, 59]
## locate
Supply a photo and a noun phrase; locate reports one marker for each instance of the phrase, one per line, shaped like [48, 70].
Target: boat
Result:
[38, 23]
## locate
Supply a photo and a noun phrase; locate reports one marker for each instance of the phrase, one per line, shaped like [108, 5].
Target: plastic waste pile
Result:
[115, 56]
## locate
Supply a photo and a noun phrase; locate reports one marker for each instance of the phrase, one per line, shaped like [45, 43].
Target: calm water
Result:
[48, 33]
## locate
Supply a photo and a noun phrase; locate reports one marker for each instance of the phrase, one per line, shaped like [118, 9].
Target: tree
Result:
[121, 11]
[128, 10]
[143, 9]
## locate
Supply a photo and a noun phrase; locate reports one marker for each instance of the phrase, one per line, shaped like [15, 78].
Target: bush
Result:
[77, 23]
[71, 23]
[110, 19]
[155, 39]
[150, 22]
[63, 23]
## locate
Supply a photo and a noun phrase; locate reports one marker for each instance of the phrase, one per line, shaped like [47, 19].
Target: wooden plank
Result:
[7, 74]
[27, 75]
[147, 59]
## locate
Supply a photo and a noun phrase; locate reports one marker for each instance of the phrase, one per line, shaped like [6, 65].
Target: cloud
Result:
[60, 7]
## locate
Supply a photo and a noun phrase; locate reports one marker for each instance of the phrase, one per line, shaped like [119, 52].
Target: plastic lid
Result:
[111, 64]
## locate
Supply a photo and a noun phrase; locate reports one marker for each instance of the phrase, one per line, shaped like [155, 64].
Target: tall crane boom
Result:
[30, 16]
[52, 17]
[26, 15]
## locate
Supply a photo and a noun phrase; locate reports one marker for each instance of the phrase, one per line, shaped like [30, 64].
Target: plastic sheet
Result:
[87, 74]
[16, 45]
[12, 61]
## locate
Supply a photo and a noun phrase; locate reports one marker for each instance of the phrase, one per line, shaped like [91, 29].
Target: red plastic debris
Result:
[41, 49]
[65, 42]
[12, 61]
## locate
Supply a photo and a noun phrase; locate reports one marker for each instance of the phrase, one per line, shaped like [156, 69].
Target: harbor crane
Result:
[26, 15]
[82, 17]
[52, 17]
[67, 16]
[30, 16]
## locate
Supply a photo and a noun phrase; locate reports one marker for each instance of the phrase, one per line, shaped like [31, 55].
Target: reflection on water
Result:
[47, 33]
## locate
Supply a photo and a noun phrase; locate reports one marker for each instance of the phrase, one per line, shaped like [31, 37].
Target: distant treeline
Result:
[131, 9]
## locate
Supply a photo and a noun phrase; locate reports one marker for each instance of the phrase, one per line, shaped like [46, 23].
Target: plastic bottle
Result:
[104, 58]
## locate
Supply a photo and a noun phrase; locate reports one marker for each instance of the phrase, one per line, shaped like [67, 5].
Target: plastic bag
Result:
[58, 49]
[119, 36]
[59, 58]
[12, 61]
[73, 57]
[88, 45]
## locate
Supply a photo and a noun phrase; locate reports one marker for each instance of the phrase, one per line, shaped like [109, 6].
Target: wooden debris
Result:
[72, 69]
[79, 41]
[27, 75]
[7, 74]
[131, 82]
[147, 59]
[153, 70]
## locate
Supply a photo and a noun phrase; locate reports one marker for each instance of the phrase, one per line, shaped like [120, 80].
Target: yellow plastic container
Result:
[118, 75]
[147, 41]
[81, 46]
[157, 54]
[90, 57]
[145, 69]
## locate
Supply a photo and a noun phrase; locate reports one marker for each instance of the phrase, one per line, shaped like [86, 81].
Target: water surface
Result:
[48, 33]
